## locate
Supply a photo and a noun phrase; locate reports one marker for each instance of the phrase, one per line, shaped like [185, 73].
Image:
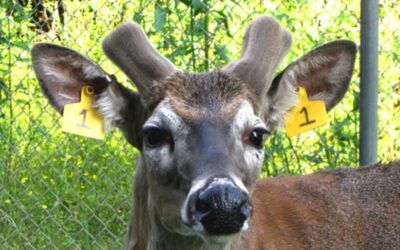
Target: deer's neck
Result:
[165, 240]
[146, 231]
[140, 224]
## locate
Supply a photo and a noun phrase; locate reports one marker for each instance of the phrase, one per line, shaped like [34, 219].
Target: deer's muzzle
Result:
[221, 207]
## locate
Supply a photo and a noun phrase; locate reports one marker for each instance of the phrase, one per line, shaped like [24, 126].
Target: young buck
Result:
[201, 140]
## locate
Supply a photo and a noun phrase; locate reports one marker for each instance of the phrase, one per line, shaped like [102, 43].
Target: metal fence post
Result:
[369, 81]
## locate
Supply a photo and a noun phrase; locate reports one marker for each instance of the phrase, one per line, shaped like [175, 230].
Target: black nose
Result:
[222, 209]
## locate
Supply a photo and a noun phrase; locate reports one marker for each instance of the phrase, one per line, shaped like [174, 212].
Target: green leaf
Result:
[198, 7]
[186, 2]
[221, 52]
[222, 18]
[138, 17]
[160, 17]
[21, 45]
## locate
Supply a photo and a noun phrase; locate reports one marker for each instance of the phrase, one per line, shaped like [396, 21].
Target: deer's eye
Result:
[257, 137]
[155, 137]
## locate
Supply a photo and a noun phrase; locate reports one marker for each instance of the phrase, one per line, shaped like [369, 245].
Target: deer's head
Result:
[201, 136]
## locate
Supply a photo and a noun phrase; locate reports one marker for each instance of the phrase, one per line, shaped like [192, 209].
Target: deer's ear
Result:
[62, 73]
[324, 72]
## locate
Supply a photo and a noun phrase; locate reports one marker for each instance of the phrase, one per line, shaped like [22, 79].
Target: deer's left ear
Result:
[324, 72]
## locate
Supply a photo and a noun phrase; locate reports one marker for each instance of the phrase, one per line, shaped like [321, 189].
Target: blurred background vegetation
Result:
[63, 191]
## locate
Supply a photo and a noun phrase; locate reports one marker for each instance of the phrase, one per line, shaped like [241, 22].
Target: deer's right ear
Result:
[324, 72]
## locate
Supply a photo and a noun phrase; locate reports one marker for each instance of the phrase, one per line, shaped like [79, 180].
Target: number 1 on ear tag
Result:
[306, 116]
[81, 119]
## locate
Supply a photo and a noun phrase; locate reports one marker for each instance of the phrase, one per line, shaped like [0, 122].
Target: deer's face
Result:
[203, 153]
[201, 136]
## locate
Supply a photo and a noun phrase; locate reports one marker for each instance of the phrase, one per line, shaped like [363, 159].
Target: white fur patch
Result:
[109, 106]
[66, 96]
[245, 226]
[196, 186]
[239, 184]
[54, 74]
[246, 119]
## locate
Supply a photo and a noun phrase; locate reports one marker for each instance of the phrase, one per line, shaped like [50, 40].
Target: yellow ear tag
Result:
[307, 115]
[81, 119]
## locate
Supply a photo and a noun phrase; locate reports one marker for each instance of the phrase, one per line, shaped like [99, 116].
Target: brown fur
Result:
[196, 95]
[340, 209]
[139, 226]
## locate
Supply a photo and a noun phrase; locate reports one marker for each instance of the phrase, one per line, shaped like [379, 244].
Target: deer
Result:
[201, 136]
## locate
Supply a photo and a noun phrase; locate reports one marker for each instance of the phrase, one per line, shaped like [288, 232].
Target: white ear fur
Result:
[110, 105]
[277, 106]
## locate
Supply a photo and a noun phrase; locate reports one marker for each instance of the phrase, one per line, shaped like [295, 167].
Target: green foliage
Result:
[63, 191]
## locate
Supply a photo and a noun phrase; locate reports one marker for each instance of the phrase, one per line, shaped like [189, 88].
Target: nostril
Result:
[246, 209]
[203, 206]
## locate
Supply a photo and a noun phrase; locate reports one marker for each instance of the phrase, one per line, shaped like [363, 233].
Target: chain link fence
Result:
[60, 191]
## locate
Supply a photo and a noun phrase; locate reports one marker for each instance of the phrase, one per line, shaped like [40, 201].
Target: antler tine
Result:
[129, 48]
[265, 45]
